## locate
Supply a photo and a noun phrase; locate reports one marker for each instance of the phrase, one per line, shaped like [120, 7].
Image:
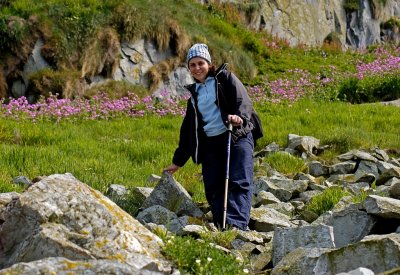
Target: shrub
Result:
[370, 89]
[321, 203]
[252, 43]
[349, 91]
[22, 8]
[223, 28]
[74, 23]
[351, 5]
[3, 85]
[228, 11]
[12, 31]
[391, 23]
[129, 22]
[384, 88]
[64, 84]
[5, 3]
[252, 8]
[332, 43]
[332, 37]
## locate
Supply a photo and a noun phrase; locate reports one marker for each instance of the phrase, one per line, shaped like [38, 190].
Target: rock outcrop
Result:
[135, 61]
[377, 253]
[60, 216]
[285, 237]
[64, 266]
[299, 22]
[312, 22]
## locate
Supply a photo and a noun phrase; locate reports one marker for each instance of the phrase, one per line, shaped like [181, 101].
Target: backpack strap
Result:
[221, 68]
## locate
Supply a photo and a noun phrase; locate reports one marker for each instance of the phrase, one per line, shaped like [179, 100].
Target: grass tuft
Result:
[116, 89]
[286, 163]
[197, 257]
[324, 202]
[64, 84]
[223, 238]
[101, 57]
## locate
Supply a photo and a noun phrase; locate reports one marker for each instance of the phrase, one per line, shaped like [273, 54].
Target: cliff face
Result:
[310, 22]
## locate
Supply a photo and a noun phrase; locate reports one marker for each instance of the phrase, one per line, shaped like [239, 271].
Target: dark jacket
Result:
[232, 98]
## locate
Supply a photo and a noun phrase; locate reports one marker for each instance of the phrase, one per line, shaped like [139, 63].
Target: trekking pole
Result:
[228, 156]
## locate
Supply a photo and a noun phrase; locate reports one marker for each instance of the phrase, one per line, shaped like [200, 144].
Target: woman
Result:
[218, 98]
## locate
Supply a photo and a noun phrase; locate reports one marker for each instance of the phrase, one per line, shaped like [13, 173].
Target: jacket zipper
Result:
[216, 91]
[216, 83]
[197, 126]
[195, 112]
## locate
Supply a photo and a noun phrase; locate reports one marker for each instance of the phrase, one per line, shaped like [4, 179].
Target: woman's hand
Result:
[172, 169]
[235, 120]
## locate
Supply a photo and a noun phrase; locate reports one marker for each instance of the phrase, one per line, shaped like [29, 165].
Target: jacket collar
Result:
[221, 68]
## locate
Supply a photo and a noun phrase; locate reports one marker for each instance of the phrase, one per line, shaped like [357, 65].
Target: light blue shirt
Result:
[210, 112]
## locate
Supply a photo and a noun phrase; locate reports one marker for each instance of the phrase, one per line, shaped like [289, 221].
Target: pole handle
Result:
[230, 127]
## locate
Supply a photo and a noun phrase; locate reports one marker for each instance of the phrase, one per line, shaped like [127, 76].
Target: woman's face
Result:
[199, 68]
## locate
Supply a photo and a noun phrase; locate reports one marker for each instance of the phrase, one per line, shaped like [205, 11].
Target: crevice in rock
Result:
[385, 226]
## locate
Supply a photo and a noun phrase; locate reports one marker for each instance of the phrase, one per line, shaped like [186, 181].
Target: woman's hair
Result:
[212, 69]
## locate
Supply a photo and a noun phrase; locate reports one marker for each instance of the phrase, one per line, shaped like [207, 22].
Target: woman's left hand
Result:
[235, 120]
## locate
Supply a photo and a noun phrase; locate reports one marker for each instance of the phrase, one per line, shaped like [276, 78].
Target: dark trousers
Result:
[240, 191]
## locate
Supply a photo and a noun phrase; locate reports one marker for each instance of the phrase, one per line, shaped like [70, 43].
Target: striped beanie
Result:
[198, 50]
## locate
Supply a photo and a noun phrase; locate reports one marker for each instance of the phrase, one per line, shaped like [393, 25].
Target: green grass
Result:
[222, 238]
[383, 87]
[286, 163]
[128, 150]
[351, 5]
[341, 125]
[98, 153]
[359, 198]
[325, 201]
[196, 257]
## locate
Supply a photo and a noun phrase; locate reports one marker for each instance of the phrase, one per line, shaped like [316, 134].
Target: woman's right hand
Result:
[172, 169]
[235, 120]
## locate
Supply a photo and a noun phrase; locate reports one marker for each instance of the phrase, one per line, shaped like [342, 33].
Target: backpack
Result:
[257, 131]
